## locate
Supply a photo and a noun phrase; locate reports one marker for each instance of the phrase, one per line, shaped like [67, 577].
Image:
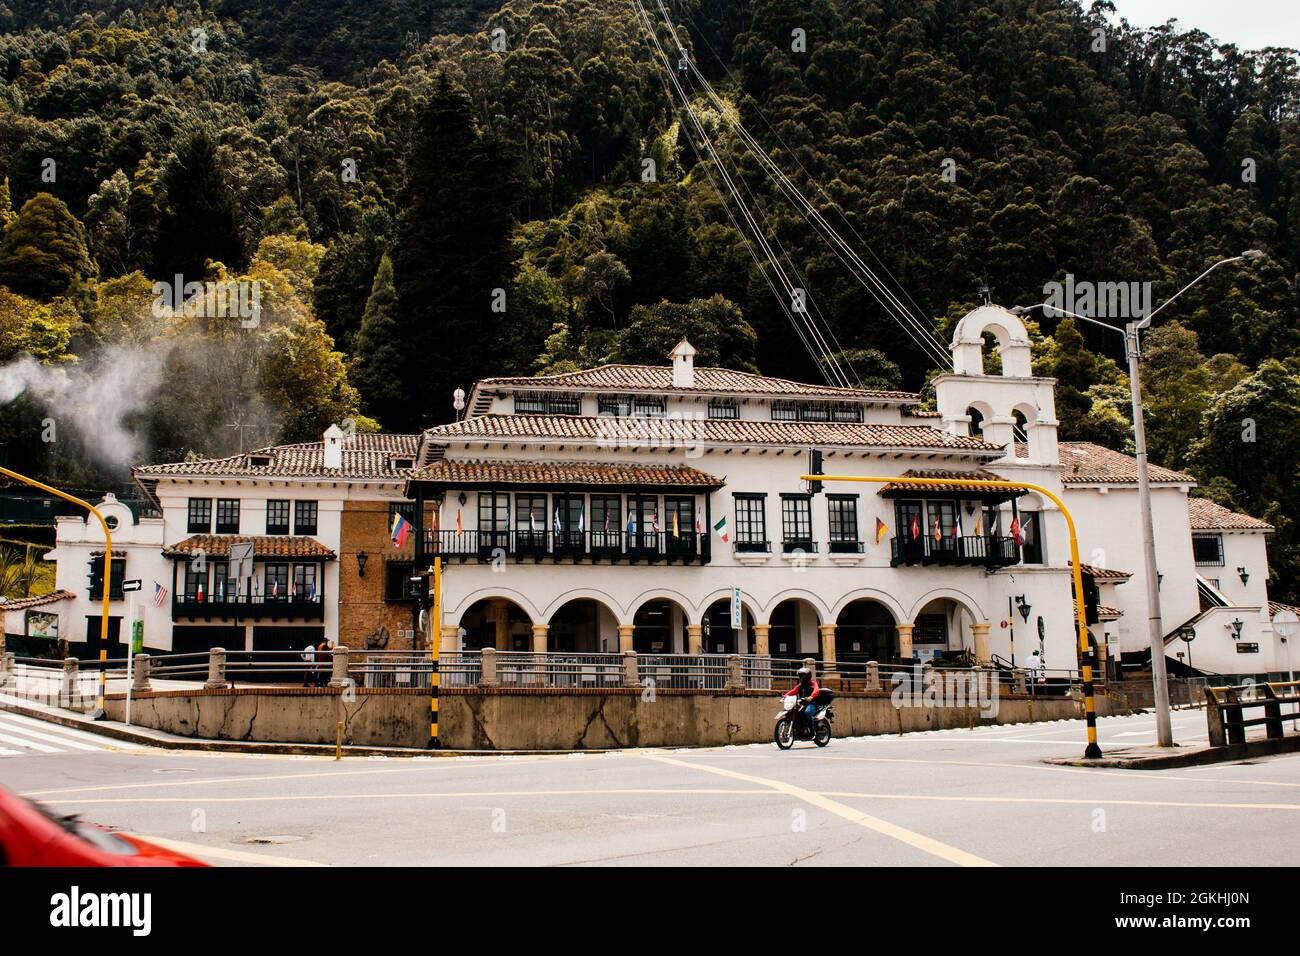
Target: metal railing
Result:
[73, 680]
[990, 550]
[685, 545]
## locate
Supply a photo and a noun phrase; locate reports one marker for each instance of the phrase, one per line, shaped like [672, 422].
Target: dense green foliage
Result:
[433, 191]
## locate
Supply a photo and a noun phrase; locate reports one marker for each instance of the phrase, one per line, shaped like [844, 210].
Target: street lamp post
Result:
[1164, 728]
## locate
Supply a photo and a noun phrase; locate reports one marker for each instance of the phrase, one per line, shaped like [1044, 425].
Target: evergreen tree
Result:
[198, 219]
[44, 254]
[379, 350]
[451, 259]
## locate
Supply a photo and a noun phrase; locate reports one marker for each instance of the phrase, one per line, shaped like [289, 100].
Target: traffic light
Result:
[815, 468]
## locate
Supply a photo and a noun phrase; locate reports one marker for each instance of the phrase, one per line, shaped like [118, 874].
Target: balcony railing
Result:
[248, 606]
[649, 546]
[985, 550]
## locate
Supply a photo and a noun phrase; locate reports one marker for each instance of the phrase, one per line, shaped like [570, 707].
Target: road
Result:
[960, 797]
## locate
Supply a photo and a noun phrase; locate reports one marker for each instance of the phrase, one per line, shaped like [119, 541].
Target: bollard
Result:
[140, 680]
[216, 670]
[339, 674]
[735, 673]
[487, 675]
[631, 677]
[338, 741]
[873, 676]
[69, 682]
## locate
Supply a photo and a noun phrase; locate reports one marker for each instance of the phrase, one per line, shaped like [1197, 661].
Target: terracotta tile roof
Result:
[1105, 574]
[659, 378]
[676, 432]
[940, 483]
[1084, 463]
[264, 546]
[1109, 613]
[565, 473]
[40, 600]
[1207, 515]
[364, 456]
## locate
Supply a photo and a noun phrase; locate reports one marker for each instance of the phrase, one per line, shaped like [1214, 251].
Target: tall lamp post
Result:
[1164, 729]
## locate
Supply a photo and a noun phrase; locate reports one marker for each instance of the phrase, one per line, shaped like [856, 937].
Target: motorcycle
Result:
[792, 723]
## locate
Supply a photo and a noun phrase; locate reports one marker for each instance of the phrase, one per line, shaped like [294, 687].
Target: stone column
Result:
[694, 637]
[450, 639]
[625, 637]
[140, 674]
[339, 671]
[827, 632]
[487, 676]
[501, 616]
[980, 637]
[735, 673]
[70, 665]
[631, 675]
[761, 648]
[539, 637]
[905, 642]
[873, 675]
[216, 669]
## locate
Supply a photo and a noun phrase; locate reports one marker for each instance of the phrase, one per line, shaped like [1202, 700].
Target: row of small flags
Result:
[160, 593]
[401, 529]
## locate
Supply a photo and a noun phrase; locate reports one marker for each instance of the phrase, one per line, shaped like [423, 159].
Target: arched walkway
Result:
[943, 626]
[583, 625]
[496, 622]
[717, 636]
[865, 630]
[793, 629]
[659, 627]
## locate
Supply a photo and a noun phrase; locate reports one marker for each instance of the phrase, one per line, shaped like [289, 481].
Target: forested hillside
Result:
[429, 192]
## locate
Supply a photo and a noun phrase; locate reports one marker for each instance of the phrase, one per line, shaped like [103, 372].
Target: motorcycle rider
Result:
[806, 690]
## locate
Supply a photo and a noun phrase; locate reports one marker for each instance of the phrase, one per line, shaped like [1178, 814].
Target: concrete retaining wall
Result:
[537, 719]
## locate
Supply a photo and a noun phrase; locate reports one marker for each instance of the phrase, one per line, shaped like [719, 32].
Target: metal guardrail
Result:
[343, 667]
[1226, 707]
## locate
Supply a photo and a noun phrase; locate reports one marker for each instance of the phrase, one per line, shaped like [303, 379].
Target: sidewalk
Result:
[1148, 757]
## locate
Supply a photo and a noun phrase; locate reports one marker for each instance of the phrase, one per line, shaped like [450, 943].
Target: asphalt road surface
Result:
[960, 797]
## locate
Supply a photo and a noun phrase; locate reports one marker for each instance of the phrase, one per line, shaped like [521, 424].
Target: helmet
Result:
[803, 672]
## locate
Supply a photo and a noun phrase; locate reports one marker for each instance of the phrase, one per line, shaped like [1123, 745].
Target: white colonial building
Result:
[622, 507]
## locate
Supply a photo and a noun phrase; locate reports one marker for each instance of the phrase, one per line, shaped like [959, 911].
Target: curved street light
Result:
[1164, 729]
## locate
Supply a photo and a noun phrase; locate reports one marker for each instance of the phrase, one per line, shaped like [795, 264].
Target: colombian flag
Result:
[401, 530]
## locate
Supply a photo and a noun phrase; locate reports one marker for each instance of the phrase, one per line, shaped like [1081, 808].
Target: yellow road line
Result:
[909, 837]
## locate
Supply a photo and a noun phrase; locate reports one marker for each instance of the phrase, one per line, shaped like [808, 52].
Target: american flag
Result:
[159, 594]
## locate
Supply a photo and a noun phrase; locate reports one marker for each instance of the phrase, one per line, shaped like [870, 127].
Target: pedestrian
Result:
[308, 656]
[1035, 666]
[324, 657]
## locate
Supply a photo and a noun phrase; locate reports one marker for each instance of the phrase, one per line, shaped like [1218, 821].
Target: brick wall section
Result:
[362, 608]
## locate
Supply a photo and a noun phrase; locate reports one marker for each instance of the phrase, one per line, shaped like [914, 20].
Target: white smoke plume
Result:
[96, 398]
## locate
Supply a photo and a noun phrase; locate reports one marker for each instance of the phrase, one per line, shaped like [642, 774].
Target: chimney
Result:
[333, 447]
[683, 356]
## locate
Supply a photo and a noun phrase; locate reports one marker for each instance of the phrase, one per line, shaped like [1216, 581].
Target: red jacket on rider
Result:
[794, 691]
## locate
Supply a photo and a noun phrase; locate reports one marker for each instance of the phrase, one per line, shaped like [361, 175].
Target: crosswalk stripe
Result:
[29, 744]
[6, 752]
[25, 721]
[64, 739]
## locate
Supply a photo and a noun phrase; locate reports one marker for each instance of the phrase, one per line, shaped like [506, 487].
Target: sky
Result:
[1250, 24]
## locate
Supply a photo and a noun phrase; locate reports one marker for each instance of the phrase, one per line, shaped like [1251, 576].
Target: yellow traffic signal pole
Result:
[1092, 752]
[107, 577]
[435, 650]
